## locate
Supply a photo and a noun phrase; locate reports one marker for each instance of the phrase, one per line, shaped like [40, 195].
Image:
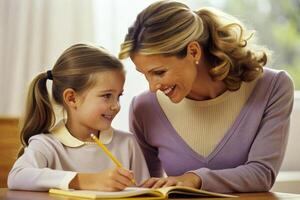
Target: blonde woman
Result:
[214, 117]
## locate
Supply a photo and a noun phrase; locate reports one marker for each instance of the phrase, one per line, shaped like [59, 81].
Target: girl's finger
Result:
[125, 173]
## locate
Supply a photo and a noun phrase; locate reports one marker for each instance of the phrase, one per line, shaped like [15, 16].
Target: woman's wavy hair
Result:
[75, 69]
[167, 27]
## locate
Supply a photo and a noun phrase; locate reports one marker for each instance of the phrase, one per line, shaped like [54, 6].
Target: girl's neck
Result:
[80, 132]
[204, 87]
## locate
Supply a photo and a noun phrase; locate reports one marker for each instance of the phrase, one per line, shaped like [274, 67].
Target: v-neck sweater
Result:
[203, 124]
[247, 158]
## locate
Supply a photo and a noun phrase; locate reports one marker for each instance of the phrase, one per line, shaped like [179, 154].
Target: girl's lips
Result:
[108, 117]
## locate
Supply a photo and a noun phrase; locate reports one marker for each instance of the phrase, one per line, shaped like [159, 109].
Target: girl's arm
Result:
[31, 172]
[108, 180]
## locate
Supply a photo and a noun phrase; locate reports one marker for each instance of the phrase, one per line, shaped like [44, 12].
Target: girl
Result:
[87, 82]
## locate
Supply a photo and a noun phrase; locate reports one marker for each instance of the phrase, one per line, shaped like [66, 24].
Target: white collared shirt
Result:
[61, 133]
[53, 160]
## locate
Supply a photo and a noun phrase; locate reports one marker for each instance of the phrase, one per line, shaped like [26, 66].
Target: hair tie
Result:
[49, 75]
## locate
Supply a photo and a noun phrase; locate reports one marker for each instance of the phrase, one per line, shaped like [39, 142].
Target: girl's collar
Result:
[61, 133]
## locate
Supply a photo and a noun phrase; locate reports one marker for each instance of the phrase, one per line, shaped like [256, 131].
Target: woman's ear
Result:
[194, 50]
[70, 98]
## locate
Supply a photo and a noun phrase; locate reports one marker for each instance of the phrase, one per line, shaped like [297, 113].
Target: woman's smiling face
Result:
[172, 75]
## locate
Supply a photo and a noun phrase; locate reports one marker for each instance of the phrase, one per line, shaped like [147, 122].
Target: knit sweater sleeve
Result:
[150, 152]
[267, 150]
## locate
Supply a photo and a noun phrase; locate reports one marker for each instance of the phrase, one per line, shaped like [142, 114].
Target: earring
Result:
[197, 62]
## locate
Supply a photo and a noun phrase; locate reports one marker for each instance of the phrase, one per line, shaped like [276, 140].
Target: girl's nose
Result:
[115, 106]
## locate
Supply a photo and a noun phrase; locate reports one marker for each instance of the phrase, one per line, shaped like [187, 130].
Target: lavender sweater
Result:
[249, 156]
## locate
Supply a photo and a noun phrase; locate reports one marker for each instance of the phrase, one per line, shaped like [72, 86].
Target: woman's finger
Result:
[159, 183]
[150, 182]
[179, 183]
[170, 182]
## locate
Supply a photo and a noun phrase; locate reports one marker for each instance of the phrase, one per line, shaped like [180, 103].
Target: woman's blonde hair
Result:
[167, 27]
[73, 69]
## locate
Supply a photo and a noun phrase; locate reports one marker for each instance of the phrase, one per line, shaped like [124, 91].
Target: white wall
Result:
[112, 19]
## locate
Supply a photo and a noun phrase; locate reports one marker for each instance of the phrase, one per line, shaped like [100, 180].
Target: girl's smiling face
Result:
[97, 106]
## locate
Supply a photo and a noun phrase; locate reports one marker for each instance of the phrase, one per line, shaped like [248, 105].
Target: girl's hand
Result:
[108, 180]
[188, 179]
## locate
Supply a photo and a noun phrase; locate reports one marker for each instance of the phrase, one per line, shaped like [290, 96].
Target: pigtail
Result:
[39, 114]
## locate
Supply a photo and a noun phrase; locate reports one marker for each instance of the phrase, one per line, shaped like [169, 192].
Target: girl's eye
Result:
[160, 72]
[107, 96]
[120, 96]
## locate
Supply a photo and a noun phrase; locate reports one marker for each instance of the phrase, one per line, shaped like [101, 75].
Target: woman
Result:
[215, 119]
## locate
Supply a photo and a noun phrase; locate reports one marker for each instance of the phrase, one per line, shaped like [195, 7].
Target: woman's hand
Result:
[108, 180]
[188, 179]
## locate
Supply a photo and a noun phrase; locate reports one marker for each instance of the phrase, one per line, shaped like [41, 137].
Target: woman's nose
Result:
[154, 84]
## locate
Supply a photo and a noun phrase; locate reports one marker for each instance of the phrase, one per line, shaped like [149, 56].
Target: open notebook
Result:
[140, 193]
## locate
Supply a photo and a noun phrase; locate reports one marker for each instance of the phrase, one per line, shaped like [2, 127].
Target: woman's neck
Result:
[204, 87]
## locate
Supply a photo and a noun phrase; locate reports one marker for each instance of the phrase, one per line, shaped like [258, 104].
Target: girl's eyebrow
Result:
[104, 91]
[109, 90]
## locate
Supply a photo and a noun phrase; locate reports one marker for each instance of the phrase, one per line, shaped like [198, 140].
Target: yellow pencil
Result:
[103, 147]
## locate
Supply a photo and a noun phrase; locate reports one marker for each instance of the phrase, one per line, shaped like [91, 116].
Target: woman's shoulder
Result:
[279, 75]
[274, 84]
[144, 97]
[144, 101]
[278, 79]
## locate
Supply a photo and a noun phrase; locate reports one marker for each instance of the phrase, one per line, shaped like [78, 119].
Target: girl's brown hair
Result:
[73, 69]
[167, 27]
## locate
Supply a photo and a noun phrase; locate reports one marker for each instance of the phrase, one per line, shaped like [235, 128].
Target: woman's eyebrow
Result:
[153, 69]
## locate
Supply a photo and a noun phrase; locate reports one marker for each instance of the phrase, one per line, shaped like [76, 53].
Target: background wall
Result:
[34, 33]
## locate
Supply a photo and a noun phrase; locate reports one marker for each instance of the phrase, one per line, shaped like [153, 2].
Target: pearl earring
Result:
[197, 62]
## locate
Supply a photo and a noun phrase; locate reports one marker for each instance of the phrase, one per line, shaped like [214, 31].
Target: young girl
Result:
[87, 82]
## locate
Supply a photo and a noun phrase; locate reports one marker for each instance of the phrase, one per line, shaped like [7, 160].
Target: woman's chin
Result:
[176, 99]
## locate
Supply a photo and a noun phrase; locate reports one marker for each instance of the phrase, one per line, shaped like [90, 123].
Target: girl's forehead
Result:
[108, 74]
[109, 78]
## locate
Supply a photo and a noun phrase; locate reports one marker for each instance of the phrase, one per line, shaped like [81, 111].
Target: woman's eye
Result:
[160, 72]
